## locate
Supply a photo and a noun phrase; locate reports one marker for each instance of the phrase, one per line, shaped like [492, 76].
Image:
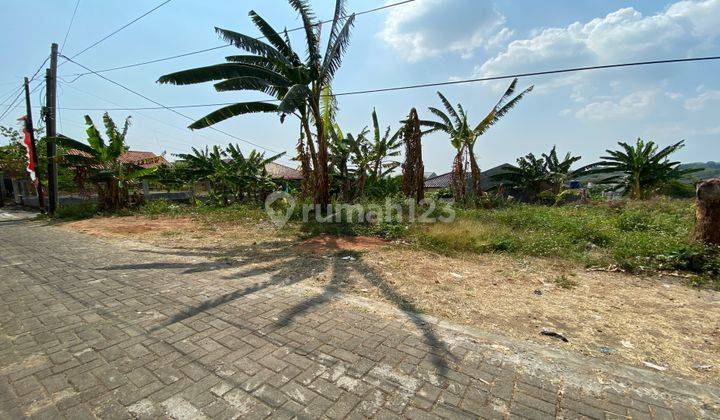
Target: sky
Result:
[424, 41]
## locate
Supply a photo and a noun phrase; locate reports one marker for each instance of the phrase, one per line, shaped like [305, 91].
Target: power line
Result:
[167, 108]
[179, 142]
[537, 73]
[39, 68]
[13, 104]
[204, 50]
[72, 19]
[20, 92]
[7, 95]
[436, 84]
[94, 44]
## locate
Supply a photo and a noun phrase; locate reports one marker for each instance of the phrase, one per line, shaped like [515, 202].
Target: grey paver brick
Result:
[110, 331]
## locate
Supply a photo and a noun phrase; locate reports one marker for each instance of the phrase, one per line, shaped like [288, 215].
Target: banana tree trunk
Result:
[306, 184]
[361, 183]
[322, 181]
[707, 213]
[459, 180]
[637, 189]
[308, 135]
[476, 175]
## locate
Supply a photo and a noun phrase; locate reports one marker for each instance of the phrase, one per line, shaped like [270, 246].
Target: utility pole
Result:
[51, 128]
[31, 131]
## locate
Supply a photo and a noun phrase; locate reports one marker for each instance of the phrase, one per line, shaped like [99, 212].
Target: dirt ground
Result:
[652, 322]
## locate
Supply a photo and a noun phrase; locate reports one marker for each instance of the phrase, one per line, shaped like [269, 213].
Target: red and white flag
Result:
[29, 149]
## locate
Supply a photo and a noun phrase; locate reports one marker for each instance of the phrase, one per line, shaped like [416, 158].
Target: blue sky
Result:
[424, 41]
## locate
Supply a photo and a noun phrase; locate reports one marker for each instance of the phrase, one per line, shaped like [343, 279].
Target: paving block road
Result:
[98, 329]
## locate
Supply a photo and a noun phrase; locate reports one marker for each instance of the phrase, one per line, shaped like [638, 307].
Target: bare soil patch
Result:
[327, 243]
[613, 316]
[131, 226]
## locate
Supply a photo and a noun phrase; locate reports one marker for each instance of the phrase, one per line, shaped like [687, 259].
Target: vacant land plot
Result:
[645, 320]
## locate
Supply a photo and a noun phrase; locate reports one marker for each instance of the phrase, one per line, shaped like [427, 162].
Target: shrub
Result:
[161, 207]
[677, 189]
[634, 221]
[568, 196]
[546, 197]
[698, 259]
[82, 210]
[564, 282]
[383, 187]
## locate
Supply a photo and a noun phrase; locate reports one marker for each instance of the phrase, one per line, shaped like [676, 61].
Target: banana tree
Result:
[339, 166]
[273, 67]
[100, 162]
[558, 171]
[231, 174]
[384, 147]
[459, 131]
[640, 168]
[464, 138]
[529, 177]
[361, 158]
[249, 175]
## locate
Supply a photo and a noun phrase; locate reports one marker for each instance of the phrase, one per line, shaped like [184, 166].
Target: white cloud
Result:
[429, 28]
[623, 35]
[633, 106]
[699, 102]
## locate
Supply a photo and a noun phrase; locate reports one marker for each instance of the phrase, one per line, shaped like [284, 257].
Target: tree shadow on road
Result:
[281, 263]
[439, 351]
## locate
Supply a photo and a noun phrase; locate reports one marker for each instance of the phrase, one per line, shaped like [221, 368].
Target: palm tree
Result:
[530, 176]
[558, 171]
[361, 157]
[639, 168]
[350, 160]
[458, 130]
[230, 173]
[100, 162]
[276, 69]
[463, 138]
[384, 147]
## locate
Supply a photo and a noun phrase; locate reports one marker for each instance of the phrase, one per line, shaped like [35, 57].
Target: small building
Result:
[282, 172]
[143, 159]
[134, 157]
[440, 182]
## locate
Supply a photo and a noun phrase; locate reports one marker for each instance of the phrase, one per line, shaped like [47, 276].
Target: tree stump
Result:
[707, 215]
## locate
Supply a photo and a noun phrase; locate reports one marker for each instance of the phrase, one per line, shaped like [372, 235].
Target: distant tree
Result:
[384, 147]
[13, 158]
[639, 169]
[530, 176]
[232, 175]
[354, 159]
[99, 162]
[533, 175]
[558, 171]
[463, 138]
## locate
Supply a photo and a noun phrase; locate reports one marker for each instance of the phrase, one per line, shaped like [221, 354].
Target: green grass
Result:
[83, 210]
[634, 235]
[564, 282]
